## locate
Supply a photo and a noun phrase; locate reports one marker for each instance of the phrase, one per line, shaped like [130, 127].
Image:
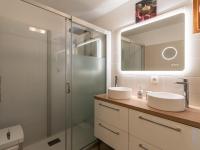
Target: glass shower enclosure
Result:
[51, 66]
[86, 75]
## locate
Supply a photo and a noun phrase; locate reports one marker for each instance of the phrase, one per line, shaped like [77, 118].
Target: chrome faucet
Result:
[185, 83]
[116, 81]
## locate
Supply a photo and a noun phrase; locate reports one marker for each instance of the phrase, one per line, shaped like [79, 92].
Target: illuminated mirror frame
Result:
[155, 19]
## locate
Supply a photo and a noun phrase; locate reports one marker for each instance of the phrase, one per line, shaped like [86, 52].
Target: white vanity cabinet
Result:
[164, 134]
[111, 124]
[111, 135]
[127, 129]
[138, 144]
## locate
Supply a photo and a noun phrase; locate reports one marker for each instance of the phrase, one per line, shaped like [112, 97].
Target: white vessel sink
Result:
[166, 101]
[119, 93]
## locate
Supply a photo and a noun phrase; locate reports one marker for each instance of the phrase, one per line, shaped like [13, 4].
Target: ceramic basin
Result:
[166, 101]
[119, 93]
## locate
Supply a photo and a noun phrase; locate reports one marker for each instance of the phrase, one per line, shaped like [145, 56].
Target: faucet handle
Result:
[185, 81]
[182, 79]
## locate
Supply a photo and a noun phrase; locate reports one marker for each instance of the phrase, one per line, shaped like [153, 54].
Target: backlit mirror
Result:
[155, 46]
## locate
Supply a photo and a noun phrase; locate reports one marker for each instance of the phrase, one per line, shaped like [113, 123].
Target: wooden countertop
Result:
[190, 117]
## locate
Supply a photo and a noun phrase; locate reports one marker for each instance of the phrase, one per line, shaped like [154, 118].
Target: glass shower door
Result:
[32, 72]
[88, 78]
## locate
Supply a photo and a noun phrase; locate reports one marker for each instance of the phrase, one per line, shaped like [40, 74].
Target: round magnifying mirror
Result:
[169, 53]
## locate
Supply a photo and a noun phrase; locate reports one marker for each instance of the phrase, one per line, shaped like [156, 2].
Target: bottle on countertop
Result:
[140, 94]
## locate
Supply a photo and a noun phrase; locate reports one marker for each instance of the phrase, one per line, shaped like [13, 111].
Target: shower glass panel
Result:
[32, 71]
[88, 78]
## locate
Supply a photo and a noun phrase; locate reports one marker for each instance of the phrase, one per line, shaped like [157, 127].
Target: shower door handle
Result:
[68, 88]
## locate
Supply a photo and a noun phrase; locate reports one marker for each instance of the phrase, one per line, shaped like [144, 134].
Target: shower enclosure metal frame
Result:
[68, 53]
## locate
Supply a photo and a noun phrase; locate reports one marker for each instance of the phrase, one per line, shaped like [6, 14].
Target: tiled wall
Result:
[123, 16]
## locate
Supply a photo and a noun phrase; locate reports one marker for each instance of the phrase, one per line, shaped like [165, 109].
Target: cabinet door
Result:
[167, 135]
[137, 144]
[112, 136]
[112, 114]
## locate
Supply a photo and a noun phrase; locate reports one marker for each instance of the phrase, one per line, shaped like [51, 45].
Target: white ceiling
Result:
[85, 9]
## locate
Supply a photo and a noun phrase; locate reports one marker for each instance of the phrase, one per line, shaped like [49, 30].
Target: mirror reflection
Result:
[159, 46]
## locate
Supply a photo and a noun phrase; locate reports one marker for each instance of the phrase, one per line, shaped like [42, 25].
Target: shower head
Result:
[77, 30]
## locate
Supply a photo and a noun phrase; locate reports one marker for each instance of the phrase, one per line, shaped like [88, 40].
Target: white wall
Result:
[124, 16]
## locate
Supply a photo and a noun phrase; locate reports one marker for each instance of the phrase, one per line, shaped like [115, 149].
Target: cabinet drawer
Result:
[112, 136]
[167, 135]
[137, 144]
[112, 114]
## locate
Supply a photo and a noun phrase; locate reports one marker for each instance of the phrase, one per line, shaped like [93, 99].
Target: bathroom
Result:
[78, 75]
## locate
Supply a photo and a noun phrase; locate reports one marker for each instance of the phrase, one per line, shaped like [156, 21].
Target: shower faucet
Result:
[185, 84]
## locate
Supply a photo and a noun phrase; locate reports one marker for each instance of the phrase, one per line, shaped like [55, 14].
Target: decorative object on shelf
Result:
[146, 9]
[196, 14]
